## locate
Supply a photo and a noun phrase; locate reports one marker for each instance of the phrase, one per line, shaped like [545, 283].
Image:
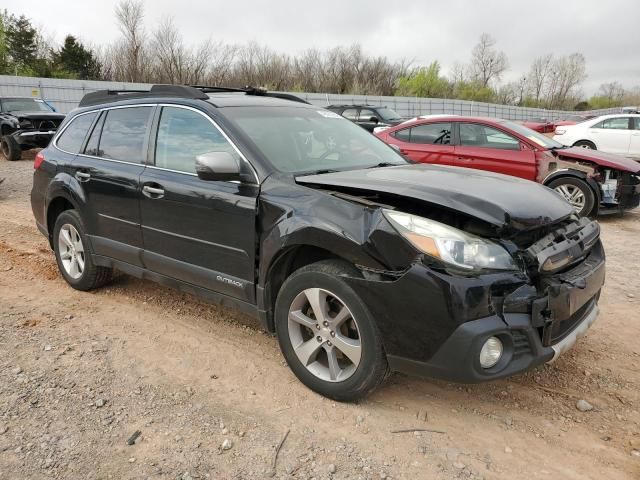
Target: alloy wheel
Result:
[71, 251]
[324, 335]
[572, 194]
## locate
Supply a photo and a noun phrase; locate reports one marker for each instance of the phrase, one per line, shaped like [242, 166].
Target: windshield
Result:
[388, 114]
[304, 140]
[538, 138]
[24, 105]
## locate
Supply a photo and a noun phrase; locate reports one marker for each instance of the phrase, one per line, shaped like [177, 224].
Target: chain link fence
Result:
[65, 95]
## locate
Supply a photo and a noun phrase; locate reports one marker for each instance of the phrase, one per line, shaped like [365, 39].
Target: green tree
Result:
[424, 82]
[77, 60]
[21, 42]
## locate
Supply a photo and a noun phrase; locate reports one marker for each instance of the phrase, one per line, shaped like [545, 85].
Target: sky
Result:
[607, 33]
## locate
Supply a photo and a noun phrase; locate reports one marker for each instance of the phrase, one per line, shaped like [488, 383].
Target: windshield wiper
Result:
[386, 164]
[325, 170]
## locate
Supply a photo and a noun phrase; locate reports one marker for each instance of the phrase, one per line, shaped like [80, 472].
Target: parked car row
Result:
[542, 125]
[359, 260]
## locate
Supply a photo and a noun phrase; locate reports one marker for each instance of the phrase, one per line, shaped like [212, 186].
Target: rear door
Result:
[487, 148]
[108, 171]
[427, 143]
[613, 135]
[200, 232]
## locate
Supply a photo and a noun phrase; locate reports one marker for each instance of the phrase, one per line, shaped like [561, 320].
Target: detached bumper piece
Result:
[28, 139]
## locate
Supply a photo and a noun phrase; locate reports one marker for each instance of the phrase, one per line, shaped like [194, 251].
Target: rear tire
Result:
[10, 148]
[74, 254]
[577, 192]
[323, 338]
[585, 144]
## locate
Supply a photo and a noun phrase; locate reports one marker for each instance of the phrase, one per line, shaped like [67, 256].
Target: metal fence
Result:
[66, 94]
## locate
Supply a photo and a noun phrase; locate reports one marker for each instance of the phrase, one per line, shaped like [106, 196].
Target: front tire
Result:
[585, 144]
[10, 148]
[73, 254]
[327, 334]
[577, 192]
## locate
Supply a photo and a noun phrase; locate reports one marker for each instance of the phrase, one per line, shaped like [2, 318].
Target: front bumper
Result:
[434, 324]
[33, 138]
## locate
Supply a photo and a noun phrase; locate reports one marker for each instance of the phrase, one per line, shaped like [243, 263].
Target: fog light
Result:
[491, 352]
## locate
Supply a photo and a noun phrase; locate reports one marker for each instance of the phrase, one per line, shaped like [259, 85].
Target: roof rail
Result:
[198, 92]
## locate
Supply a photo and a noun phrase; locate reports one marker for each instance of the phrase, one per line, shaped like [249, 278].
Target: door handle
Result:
[82, 176]
[152, 192]
[465, 159]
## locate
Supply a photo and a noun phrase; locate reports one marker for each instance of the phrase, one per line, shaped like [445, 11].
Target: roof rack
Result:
[198, 92]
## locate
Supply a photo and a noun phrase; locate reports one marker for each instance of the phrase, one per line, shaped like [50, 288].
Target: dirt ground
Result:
[81, 372]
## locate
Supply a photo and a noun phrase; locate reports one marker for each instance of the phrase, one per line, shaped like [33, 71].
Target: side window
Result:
[92, 147]
[619, 123]
[366, 114]
[475, 135]
[636, 124]
[598, 125]
[350, 113]
[432, 134]
[403, 135]
[124, 134]
[183, 135]
[75, 133]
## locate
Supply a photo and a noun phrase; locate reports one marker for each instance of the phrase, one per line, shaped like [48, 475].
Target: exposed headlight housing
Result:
[450, 245]
[491, 352]
[561, 131]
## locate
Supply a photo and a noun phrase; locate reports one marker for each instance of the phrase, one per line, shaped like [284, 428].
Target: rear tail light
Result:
[38, 160]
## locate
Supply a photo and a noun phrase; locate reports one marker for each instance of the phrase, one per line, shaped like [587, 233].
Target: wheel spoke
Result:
[350, 347]
[65, 255]
[318, 301]
[73, 267]
[307, 351]
[343, 315]
[299, 317]
[66, 238]
[334, 366]
[80, 261]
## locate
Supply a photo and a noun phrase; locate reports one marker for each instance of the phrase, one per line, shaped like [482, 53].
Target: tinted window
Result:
[432, 133]
[619, 123]
[366, 114]
[124, 133]
[73, 136]
[350, 113]
[183, 135]
[94, 138]
[475, 135]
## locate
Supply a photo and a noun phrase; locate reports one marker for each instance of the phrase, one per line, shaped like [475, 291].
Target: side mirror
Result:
[217, 166]
[373, 120]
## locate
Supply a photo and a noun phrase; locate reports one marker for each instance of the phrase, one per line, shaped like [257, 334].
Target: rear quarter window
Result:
[73, 136]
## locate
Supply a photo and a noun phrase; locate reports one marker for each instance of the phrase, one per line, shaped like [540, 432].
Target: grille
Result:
[47, 124]
[520, 343]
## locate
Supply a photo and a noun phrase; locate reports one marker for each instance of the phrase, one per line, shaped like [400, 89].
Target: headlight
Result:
[561, 131]
[449, 244]
[25, 123]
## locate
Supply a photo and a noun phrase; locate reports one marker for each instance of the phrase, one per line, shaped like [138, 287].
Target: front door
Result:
[487, 148]
[108, 170]
[200, 232]
[634, 145]
[427, 143]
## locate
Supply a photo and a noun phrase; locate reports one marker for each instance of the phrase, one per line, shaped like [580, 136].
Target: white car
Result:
[619, 134]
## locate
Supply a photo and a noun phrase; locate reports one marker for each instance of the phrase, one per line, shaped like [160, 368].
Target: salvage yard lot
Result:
[80, 372]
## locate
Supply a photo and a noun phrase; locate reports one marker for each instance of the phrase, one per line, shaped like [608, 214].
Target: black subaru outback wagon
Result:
[360, 262]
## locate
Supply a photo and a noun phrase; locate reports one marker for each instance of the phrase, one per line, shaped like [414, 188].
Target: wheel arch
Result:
[570, 173]
[585, 140]
[60, 197]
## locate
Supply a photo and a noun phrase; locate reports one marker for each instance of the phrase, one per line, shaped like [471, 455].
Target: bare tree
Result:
[564, 80]
[130, 14]
[538, 75]
[613, 91]
[487, 63]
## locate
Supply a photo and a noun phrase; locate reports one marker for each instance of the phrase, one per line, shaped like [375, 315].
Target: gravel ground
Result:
[212, 397]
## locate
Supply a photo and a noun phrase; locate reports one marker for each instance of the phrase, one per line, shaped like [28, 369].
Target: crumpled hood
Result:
[603, 159]
[506, 202]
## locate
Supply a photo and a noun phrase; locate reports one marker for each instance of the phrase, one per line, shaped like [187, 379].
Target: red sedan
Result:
[590, 180]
